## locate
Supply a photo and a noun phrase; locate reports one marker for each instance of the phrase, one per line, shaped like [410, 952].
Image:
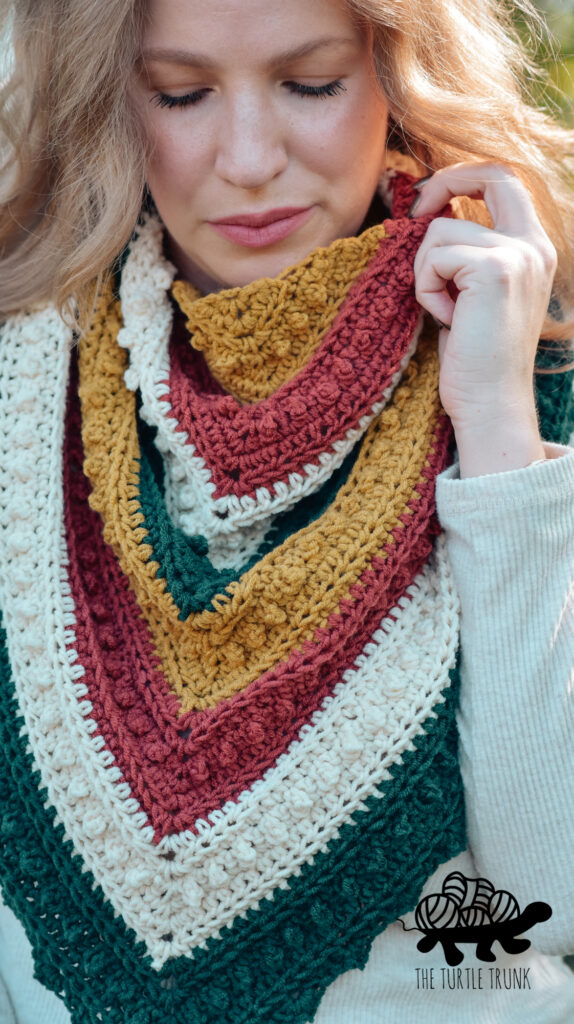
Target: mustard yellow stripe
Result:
[301, 583]
[279, 603]
[256, 338]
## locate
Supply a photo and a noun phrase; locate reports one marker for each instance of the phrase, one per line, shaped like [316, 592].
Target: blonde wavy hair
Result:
[73, 153]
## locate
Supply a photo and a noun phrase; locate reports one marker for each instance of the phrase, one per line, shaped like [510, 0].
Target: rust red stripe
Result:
[181, 767]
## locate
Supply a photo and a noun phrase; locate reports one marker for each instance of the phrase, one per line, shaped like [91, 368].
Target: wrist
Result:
[497, 443]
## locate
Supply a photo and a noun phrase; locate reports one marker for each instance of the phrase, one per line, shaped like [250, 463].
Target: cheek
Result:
[368, 131]
[342, 143]
[174, 166]
[348, 139]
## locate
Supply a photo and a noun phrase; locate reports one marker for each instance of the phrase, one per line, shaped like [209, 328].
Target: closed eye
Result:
[298, 88]
[162, 99]
[330, 89]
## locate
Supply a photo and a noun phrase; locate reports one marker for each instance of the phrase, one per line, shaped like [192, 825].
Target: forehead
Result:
[224, 29]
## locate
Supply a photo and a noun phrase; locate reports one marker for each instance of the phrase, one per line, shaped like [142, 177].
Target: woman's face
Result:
[262, 111]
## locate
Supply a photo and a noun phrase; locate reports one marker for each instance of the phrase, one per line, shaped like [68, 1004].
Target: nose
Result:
[252, 144]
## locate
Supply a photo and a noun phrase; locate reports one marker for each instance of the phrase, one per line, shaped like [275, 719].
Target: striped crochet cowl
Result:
[229, 678]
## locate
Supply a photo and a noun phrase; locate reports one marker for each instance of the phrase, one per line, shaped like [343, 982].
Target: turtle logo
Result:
[472, 910]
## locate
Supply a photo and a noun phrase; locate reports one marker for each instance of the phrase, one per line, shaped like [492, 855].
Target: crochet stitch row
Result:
[285, 952]
[215, 832]
[59, 759]
[251, 346]
[268, 611]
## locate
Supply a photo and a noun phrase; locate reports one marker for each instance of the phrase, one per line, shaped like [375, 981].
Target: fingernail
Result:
[413, 206]
[422, 181]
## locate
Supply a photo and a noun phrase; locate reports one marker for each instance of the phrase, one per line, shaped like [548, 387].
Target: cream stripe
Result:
[247, 848]
[147, 316]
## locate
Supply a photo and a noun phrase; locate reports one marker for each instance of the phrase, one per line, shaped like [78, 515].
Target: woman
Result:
[270, 722]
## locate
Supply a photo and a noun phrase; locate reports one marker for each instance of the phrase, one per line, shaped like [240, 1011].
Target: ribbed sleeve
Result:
[510, 539]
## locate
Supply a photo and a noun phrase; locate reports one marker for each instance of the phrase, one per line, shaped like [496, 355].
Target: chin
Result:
[223, 269]
[267, 264]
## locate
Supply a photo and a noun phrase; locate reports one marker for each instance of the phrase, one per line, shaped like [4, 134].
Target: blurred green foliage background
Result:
[559, 16]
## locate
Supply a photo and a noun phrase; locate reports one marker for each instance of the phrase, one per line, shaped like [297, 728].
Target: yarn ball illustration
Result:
[470, 917]
[503, 906]
[484, 890]
[436, 911]
[455, 885]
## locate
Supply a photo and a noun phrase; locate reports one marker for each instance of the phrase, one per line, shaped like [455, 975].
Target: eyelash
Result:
[299, 89]
[331, 89]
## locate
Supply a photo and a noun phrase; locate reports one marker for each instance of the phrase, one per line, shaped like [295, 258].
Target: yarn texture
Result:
[230, 633]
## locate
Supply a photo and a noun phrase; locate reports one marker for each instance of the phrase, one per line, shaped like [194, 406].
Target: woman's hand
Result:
[504, 279]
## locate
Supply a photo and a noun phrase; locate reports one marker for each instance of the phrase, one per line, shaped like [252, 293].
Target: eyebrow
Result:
[199, 60]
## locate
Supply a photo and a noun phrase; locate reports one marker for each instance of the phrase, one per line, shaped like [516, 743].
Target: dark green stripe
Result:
[270, 968]
[554, 395]
[184, 562]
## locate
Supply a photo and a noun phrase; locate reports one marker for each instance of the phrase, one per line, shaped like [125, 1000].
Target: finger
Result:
[446, 231]
[468, 267]
[503, 277]
[507, 199]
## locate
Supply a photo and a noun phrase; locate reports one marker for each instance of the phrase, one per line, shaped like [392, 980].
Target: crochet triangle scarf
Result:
[228, 685]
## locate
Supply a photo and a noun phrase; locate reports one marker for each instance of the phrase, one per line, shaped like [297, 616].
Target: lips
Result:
[260, 220]
[257, 230]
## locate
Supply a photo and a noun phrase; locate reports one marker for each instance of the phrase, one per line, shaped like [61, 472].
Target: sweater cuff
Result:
[538, 484]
